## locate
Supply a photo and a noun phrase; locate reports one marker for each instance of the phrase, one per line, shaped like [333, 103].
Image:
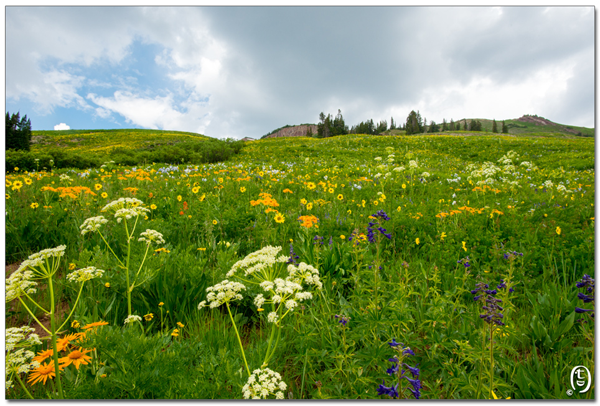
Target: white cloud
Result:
[61, 126]
[156, 113]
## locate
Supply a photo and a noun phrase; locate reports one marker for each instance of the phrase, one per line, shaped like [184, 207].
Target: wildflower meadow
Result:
[351, 267]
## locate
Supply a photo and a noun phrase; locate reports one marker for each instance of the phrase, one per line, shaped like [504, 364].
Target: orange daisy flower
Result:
[42, 355]
[62, 343]
[42, 373]
[76, 357]
[95, 324]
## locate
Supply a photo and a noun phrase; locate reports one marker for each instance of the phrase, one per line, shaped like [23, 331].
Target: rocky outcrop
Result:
[295, 131]
[248, 139]
[542, 121]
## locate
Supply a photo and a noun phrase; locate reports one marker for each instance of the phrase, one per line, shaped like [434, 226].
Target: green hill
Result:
[107, 140]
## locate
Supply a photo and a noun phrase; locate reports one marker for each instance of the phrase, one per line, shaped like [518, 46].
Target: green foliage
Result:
[18, 132]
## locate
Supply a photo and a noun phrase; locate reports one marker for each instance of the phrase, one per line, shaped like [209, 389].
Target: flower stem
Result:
[127, 269]
[491, 359]
[53, 335]
[239, 339]
[23, 386]
[74, 307]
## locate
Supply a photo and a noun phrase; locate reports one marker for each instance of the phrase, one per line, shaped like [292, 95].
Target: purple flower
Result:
[580, 310]
[413, 370]
[408, 351]
[394, 343]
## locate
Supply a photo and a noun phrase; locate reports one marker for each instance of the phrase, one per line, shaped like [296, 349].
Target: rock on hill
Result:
[295, 131]
[542, 121]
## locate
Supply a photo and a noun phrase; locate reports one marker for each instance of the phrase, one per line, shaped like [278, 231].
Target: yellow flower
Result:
[343, 237]
[303, 201]
[349, 211]
[28, 181]
[363, 203]
[203, 197]
[418, 241]
[443, 236]
[175, 333]
[330, 190]
[179, 198]
[107, 285]
[399, 208]
[161, 304]
[558, 230]
[75, 324]
[8, 183]
[260, 310]
[340, 197]
[148, 317]
[72, 266]
[17, 184]
[201, 249]
[464, 246]
[403, 186]
[180, 324]
[309, 206]
[376, 202]
[195, 189]
[215, 222]
[7, 196]
[34, 205]
[97, 186]
[104, 195]
[153, 206]
[311, 185]
[243, 189]
[220, 180]
[279, 218]
[16, 168]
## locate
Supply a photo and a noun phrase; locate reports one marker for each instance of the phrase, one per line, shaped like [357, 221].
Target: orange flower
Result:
[76, 357]
[42, 355]
[62, 343]
[94, 324]
[42, 373]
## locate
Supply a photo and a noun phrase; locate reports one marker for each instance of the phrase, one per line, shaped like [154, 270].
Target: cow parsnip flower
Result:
[223, 292]
[151, 236]
[132, 318]
[258, 261]
[92, 224]
[264, 383]
[85, 274]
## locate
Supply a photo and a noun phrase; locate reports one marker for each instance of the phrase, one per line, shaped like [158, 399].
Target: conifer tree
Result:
[494, 126]
[18, 132]
[504, 128]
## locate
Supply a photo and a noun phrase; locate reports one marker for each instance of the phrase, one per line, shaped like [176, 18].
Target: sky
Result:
[234, 72]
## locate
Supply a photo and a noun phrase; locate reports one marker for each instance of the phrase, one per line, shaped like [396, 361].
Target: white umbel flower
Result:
[151, 236]
[85, 274]
[224, 292]
[92, 224]
[132, 318]
[264, 383]
[257, 261]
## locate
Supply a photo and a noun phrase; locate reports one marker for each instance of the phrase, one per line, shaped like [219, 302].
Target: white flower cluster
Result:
[548, 184]
[20, 361]
[378, 158]
[399, 169]
[425, 174]
[223, 292]
[258, 260]
[21, 336]
[92, 224]
[151, 236]
[272, 317]
[413, 164]
[262, 383]
[128, 213]
[122, 203]
[132, 318]
[304, 273]
[85, 274]
[20, 282]
[65, 178]
[561, 189]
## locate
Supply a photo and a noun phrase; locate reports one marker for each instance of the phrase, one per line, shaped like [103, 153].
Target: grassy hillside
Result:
[518, 127]
[106, 140]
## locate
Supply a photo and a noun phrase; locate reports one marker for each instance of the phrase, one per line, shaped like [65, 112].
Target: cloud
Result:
[243, 71]
[155, 113]
[61, 126]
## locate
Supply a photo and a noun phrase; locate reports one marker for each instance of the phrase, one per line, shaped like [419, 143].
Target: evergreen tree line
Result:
[415, 124]
[18, 132]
